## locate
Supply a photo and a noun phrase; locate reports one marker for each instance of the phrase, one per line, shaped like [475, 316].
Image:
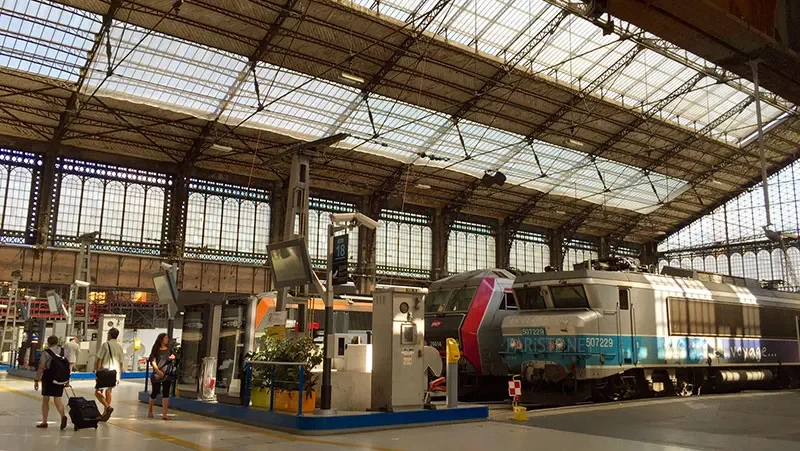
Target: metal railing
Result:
[248, 376]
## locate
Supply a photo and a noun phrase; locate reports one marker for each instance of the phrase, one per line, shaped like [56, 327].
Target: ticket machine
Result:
[398, 358]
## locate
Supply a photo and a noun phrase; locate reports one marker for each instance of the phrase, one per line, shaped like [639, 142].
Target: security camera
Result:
[81, 283]
[354, 218]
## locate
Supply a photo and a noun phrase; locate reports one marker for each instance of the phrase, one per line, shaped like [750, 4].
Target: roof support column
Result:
[649, 255]
[503, 242]
[366, 279]
[604, 247]
[176, 215]
[556, 249]
[440, 230]
[46, 186]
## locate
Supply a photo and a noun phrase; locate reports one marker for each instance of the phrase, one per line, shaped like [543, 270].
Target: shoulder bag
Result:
[106, 378]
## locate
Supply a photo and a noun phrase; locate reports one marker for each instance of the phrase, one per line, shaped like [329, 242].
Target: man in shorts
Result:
[109, 358]
[73, 348]
[50, 364]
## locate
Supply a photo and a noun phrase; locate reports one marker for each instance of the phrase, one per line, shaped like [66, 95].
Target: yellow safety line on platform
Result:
[196, 447]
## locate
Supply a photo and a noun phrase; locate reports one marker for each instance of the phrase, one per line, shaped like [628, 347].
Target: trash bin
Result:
[208, 379]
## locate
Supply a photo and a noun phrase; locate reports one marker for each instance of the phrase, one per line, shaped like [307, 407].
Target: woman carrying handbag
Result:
[162, 360]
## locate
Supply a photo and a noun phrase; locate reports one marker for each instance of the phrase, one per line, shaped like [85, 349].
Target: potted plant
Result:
[259, 380]
[286, 378]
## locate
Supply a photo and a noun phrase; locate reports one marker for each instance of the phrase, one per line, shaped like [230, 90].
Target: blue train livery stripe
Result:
[591, 350]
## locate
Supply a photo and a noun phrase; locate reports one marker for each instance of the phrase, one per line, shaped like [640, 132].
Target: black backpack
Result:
[58, 372]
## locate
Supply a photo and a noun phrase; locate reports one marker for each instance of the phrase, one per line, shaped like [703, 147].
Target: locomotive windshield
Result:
[450, 301]
[436, 301]
[569, 296]
[530, 298]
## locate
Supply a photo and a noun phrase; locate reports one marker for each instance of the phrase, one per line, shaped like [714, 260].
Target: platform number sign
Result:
[515, 389]
[340, 245]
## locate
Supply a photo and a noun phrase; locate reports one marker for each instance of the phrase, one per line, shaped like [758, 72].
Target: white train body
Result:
[588, 325]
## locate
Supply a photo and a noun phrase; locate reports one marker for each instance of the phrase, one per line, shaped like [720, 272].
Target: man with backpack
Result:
[53, 373]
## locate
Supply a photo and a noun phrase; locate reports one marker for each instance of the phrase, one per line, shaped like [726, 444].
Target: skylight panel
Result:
[46, 39]
[294, 103]
[165, 71]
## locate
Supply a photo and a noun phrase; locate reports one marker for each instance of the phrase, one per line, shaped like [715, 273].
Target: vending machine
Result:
[398, 362]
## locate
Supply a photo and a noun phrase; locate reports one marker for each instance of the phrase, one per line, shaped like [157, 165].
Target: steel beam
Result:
[416, 32]
[576, 99]
[674, 53]
[652, 111]
[200, 143]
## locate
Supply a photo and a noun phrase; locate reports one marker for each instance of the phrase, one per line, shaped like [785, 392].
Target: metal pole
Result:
[327, 349]
[761, 150]
[301, 391]
[453, 355]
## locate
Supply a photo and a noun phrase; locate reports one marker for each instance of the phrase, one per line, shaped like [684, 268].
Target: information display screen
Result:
[290, 263]
[165, 288]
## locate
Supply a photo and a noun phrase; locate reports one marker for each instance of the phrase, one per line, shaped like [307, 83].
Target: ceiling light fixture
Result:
[661, 232]
[561, 212]
[352, 78]
[573, 142]
[221, 147]
[717, 182]
[423, 186]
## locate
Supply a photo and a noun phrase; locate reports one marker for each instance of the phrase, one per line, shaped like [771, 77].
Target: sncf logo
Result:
[436, 323]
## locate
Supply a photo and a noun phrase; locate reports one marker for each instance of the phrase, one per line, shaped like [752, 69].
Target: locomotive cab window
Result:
[436, 301]
[569, 296]
[509, 302]
[530, 298]
[624, 298]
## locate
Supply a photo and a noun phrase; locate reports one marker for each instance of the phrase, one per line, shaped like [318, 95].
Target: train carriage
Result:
[470, 307]
[619, 334]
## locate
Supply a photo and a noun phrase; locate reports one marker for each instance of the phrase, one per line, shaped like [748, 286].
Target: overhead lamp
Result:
[423, 186]
[493, 178]
[717, 182]
[221, 147]
[561, 212]
[573, 142]
[352, 78]
[661, 232]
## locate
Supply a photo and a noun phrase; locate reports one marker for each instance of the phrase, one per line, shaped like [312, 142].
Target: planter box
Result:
[285, 401]
[259, 397]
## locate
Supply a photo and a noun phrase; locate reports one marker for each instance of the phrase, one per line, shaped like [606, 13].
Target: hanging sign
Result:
[340, 245]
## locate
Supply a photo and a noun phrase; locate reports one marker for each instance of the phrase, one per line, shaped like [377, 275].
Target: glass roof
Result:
[577, 53]
[149, 67]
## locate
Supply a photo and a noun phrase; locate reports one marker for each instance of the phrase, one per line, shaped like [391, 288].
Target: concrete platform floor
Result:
[742, 421]
[752, 421]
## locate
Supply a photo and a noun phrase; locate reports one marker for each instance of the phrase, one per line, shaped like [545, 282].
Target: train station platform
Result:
[762, 421]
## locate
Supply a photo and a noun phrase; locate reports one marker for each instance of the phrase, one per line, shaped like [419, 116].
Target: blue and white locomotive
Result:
[620, 334]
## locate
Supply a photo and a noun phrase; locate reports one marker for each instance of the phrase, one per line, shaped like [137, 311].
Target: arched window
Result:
[710, 264]
[722, 265]
[473, 247]
[737, 266]
[404, 244]
[764, 263]
[750, 265]
[126, 206]
[777, 264]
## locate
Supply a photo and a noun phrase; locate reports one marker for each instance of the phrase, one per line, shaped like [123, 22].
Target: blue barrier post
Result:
[301, 391]
[248, 376]
[272, 390]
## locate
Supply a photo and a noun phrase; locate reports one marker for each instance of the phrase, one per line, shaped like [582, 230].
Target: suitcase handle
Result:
[71, 389]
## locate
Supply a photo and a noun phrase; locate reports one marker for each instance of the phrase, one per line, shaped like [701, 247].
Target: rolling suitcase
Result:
[83, 413]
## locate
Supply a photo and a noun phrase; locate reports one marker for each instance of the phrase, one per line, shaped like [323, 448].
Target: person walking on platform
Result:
[73, 348]
[108, 371]
[162, 360]
[53, 373]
